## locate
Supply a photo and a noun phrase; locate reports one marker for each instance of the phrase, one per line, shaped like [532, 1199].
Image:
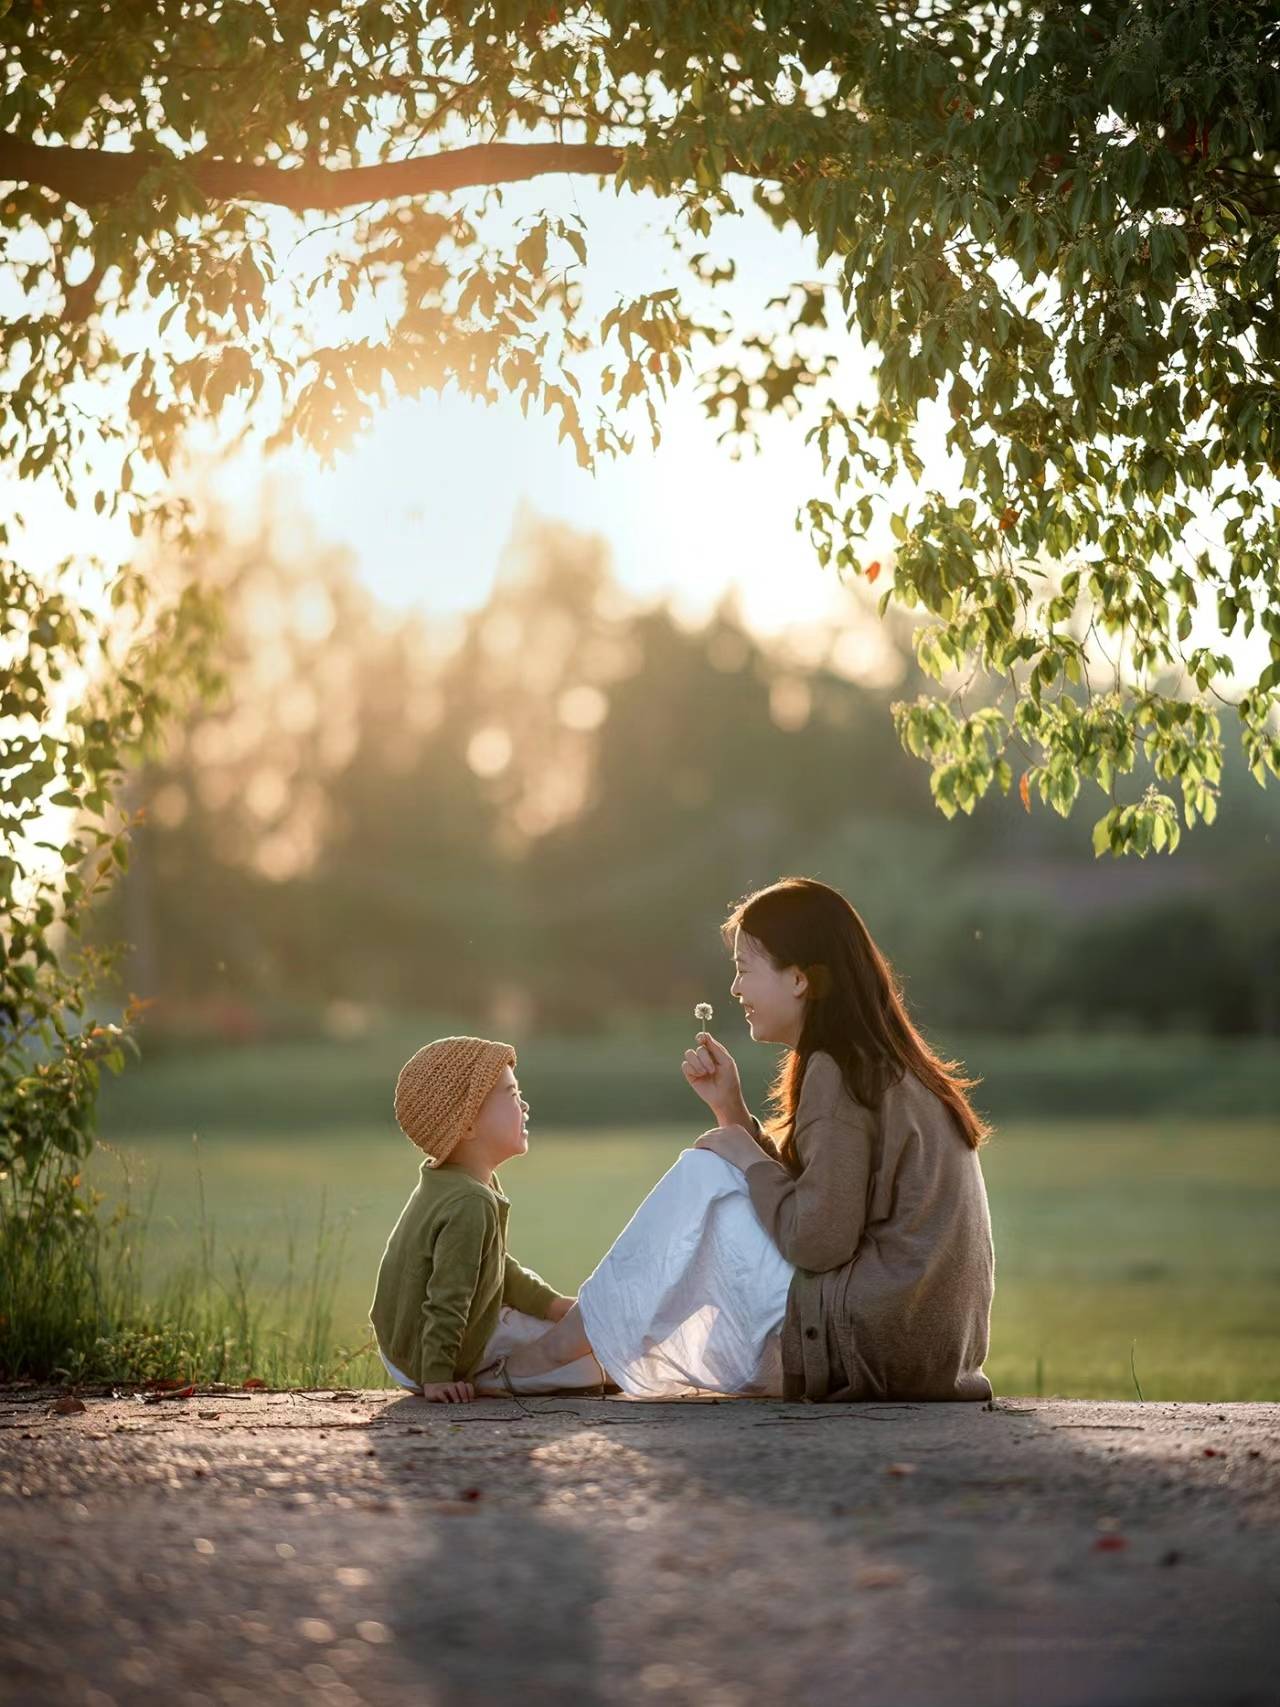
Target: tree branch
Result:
[91, 175]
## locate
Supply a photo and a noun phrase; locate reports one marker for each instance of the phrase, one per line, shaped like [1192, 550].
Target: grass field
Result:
[629, 1076]
[1152, 1239]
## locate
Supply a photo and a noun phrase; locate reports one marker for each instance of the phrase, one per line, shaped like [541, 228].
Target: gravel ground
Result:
[243, 1548]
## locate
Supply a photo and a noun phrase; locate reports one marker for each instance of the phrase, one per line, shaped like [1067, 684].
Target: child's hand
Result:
[713, 1073]
[449, 1392]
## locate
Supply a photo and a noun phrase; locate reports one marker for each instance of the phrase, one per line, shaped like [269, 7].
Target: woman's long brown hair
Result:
[854, 1009]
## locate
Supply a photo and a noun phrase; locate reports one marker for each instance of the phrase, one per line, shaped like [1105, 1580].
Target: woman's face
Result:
[772, 1001]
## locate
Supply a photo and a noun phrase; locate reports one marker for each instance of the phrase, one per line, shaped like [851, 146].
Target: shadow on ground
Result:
[372, 1548]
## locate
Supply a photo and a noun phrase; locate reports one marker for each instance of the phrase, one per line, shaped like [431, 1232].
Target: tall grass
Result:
[77, 1304]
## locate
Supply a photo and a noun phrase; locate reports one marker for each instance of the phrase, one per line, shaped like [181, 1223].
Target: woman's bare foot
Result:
[564, 1343]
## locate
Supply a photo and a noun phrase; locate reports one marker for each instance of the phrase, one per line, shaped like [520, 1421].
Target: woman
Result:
[845, 1256]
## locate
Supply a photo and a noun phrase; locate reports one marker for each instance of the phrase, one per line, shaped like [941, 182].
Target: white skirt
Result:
[692, 1293]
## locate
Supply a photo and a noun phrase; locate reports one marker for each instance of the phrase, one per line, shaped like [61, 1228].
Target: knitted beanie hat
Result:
[440, 1089]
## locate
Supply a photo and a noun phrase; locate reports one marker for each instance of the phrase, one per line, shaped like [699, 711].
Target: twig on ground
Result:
[770, 1422]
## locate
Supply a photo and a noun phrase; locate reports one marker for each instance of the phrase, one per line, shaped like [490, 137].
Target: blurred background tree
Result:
[538, 814]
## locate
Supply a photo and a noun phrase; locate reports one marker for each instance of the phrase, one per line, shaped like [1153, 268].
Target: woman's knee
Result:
[703, 1171]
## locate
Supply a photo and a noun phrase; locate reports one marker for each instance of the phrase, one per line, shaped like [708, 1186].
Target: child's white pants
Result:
[516, 1328]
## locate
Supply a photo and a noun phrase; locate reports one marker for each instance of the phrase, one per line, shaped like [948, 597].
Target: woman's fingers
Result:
[719, 1054]
[696, 1063]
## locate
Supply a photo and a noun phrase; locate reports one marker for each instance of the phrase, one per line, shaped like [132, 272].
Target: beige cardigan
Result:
[888, 1226]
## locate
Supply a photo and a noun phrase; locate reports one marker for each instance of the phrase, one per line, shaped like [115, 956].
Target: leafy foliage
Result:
[1058, 226]
[80, 697]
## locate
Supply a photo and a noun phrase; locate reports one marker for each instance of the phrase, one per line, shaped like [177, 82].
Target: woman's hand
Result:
[713, 1073]
[734, 1143]
[449, 1392]
[560, 1309]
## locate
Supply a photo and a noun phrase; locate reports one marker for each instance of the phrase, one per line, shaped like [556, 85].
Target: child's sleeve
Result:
[457, 1253]
[524, 1290]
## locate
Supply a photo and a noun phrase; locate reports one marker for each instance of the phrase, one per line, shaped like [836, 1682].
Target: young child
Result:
[449, 1298]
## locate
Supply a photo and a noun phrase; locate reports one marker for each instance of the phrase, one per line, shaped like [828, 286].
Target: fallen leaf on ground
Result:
[68, 1405]
[253, 1381]
[899, 1469]
[879, 1576]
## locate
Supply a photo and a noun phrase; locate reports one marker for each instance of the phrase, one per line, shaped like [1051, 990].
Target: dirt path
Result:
[370, 1548]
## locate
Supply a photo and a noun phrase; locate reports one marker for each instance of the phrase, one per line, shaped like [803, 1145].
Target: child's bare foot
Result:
[564, 1343]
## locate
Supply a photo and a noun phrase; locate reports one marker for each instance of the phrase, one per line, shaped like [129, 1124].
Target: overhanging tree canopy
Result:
[1060, 222]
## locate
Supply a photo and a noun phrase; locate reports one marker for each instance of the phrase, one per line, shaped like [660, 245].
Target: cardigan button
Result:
[811, 1333]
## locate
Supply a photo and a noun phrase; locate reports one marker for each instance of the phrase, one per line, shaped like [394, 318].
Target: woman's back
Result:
[902, 1306]
[919, 1290]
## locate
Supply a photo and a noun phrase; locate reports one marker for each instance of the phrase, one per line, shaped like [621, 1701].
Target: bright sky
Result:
[427, 499]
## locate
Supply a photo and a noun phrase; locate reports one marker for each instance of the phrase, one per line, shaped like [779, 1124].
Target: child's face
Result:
[500, 1130]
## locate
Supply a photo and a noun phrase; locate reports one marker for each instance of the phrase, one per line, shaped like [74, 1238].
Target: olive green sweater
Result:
[445, 1274]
